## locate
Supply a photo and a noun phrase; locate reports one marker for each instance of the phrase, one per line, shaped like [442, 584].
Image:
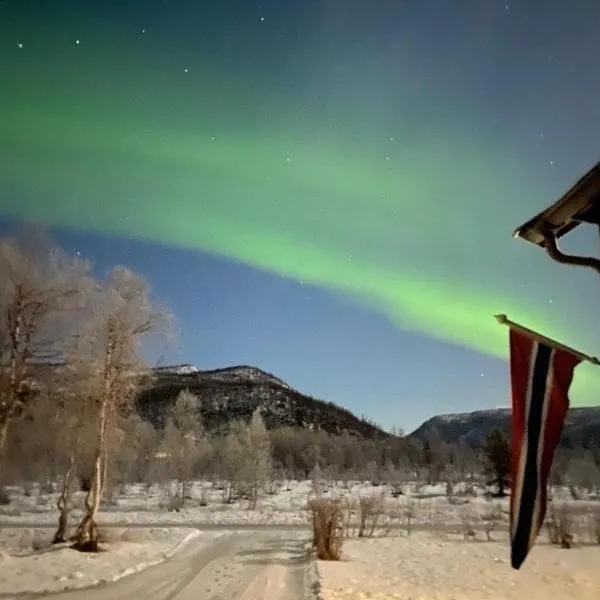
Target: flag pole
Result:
[504, 320]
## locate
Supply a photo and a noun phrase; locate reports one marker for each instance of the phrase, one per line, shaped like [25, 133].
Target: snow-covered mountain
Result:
[582, 427]
[177, 369]
[235, 392]
[238, 373]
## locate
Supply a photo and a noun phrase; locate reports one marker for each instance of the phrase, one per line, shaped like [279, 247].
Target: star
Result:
[186, 70]
[262, 18]
[387, 158]
[143, 30]
[20, 44]
[77, 42]
[288, 159]
[551, 162]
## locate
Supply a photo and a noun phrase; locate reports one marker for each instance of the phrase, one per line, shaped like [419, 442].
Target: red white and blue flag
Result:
[540, 378]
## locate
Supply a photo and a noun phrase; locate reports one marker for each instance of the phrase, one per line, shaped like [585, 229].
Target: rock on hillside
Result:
[235, 392]
[581, 429]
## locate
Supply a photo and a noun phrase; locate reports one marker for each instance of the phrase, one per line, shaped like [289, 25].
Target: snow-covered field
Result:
[418, 506]
[428, 544]
[425, 567]
[29, 562]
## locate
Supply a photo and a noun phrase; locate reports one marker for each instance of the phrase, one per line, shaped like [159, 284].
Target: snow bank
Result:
[425, 567]
[29, 563]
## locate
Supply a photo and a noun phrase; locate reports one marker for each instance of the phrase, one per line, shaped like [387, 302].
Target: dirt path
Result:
[252, 566]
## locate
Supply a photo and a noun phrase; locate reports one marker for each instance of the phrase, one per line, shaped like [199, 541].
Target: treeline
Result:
[246, 459]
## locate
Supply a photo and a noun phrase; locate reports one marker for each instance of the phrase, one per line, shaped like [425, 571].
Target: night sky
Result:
[325, 189]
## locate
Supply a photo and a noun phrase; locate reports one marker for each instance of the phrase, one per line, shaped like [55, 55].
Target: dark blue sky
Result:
[323, 189]
[316, 340]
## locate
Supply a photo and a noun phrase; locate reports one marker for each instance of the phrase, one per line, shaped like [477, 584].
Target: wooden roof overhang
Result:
[580, 205]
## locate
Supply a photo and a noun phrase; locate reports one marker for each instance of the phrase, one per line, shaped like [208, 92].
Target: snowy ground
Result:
[422, 534]
[29, 563]
[143, 504]
[418, 506]
[425, 567]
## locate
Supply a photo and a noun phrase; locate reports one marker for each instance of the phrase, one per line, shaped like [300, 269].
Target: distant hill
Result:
[582, 427]
[235, 392]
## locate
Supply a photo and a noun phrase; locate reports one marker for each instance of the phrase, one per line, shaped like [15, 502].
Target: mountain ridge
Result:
[236, 391]
[582, 427]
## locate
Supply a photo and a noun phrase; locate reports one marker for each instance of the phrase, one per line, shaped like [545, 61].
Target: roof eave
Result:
[581, 204]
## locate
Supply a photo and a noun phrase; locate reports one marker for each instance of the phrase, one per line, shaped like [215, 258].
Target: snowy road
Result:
[248, 566]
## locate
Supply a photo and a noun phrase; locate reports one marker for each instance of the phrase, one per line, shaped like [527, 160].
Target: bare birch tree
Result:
[74, 441]
[31, 451]
[247, 459]
[232, 460]
[108, 356]
[136, 453]
[259, 456]
[39, 286]
[184, 444]
[50, 441]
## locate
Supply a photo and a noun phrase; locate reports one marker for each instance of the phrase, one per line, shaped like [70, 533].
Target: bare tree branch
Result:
[40, 289]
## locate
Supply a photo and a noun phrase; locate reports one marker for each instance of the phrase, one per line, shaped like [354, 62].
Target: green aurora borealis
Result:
[410, 216]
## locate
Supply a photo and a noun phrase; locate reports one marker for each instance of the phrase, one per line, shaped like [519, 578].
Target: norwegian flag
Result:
[540, 376]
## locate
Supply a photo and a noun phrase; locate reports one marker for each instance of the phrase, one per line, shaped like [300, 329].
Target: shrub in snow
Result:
[328, 526]
[491, 520]
[4, 497]
[370, 511]
[560, 526]
[594, 524]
